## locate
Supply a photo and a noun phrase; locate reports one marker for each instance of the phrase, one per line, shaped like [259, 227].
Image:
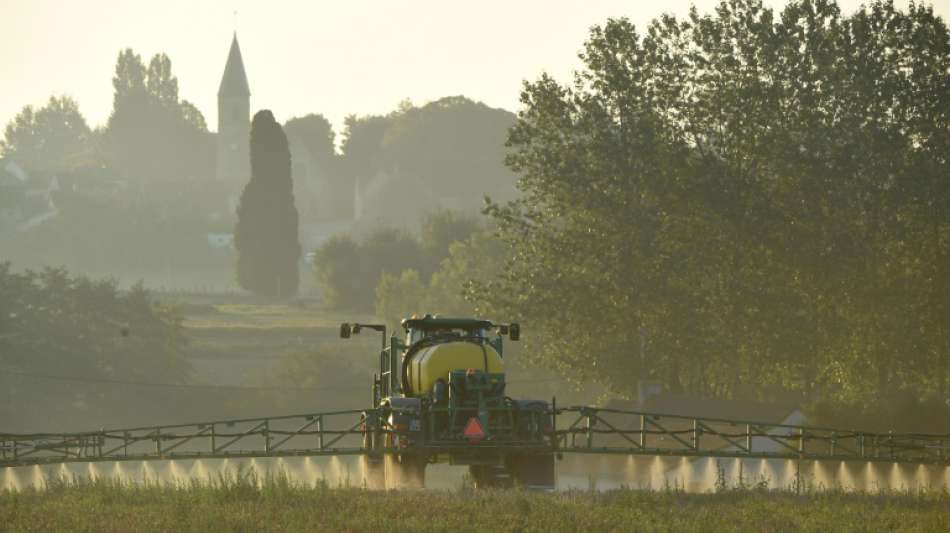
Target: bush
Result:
[348, 271]
[440, 230]
[469, 264]
[337, 269]
[902, 412]
[400, 296]
[67, 343]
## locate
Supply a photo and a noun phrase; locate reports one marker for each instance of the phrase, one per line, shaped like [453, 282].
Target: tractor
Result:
[439, 397]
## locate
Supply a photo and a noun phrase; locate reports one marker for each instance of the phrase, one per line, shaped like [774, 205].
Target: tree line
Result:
[747, 204]
[56, 325]
[741, 204]
[151, 165]
[354, 274]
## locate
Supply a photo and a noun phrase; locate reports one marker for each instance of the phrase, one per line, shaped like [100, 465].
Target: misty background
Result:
[701, 252]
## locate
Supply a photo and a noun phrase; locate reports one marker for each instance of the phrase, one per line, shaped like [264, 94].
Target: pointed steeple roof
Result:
[234, 81]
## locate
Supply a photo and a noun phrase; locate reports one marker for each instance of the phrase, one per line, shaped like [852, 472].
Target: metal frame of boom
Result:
[589, 430]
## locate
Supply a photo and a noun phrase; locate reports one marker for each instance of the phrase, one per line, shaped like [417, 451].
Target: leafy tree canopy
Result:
[738, 203]
[151, 133]
[362, 143]
[472, 261]
[452, 145]
[53, 324]
[348, 270]
[314, 132]
[48, 140]
[445, 154]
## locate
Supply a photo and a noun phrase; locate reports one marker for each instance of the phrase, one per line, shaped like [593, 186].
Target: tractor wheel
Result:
[490, 476]
[374, 472]
[406, 472]
[535, 471]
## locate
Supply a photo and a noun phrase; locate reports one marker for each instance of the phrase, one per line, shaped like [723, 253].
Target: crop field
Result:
[242, 506]
[234, 340]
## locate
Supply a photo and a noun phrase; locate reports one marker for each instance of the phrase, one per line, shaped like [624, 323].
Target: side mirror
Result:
[514, 332]
[345, 330]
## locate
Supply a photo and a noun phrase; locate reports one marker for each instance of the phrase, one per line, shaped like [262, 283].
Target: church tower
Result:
[234, 124]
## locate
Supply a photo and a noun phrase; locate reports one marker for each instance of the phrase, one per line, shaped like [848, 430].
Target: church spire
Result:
[234, 126]
[234, 80]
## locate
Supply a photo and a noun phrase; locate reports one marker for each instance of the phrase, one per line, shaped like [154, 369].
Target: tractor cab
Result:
[435, 329]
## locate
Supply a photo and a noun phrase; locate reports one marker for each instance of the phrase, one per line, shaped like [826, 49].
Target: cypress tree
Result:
[266, 235]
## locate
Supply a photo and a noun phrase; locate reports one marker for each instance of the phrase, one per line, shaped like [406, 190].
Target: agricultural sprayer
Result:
[440, 396]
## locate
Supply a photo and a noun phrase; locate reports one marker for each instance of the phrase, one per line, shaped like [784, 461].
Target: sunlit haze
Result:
[336, 58]
[606, 260]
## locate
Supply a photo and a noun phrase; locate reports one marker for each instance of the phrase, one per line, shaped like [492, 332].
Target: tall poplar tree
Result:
[266, 236]
[152, 134]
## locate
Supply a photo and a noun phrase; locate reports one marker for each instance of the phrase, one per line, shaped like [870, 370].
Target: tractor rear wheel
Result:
[374, 472]
[406, 471]
[534, 471]
[490, 476]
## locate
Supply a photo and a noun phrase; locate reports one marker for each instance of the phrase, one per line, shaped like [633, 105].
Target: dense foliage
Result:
[48, 140]
[266, 235]
[474, 260]
[740, 203]
[314, 132]
[321, 189]
[451, 146]
[142, 179]
[446, 154]
[152, 134]
[348, 270]
[55, 325]
[142, 237]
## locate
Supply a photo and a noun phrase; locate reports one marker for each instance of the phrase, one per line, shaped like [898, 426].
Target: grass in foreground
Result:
[228, 506]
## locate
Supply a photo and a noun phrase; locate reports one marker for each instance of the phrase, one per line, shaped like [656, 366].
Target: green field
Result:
[280, 507]
[237, 341]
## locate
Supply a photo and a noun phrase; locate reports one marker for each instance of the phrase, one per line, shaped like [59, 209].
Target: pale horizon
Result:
[302, 58]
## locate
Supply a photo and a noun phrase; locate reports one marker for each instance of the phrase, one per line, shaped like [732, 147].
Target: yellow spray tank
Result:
[430, 363]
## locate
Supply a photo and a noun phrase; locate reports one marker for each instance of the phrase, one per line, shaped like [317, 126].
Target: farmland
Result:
[240, 506]
[236, 341]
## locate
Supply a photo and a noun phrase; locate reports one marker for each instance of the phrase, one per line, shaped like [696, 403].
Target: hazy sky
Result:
[336, 58]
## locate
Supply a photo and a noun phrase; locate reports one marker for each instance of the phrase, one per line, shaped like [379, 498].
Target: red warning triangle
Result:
[473, 430]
